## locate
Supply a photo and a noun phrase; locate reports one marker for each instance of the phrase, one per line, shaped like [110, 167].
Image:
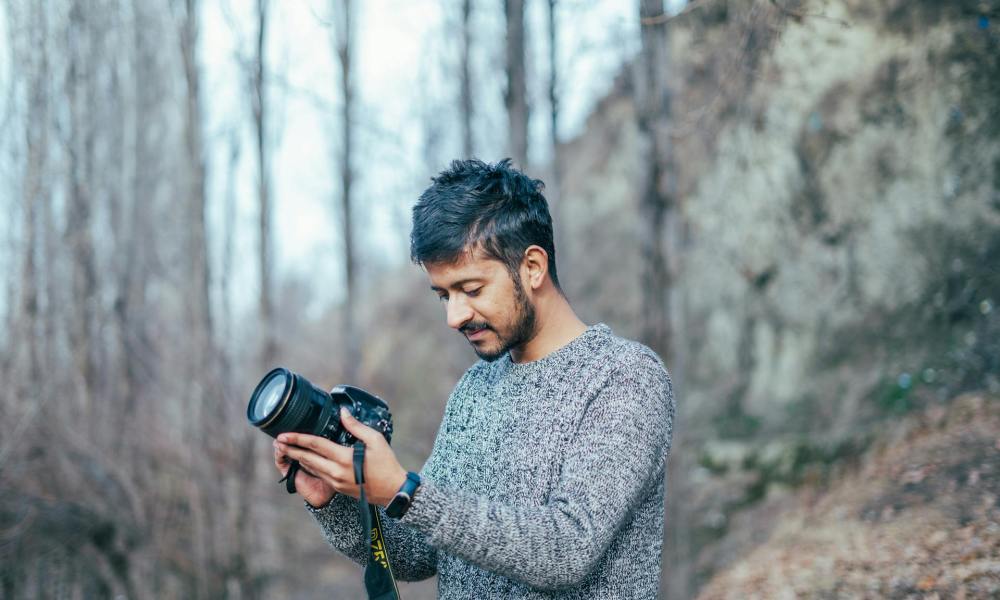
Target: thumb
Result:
[358, 429]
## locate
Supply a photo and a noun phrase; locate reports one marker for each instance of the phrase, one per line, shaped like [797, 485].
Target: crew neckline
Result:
[527, 367]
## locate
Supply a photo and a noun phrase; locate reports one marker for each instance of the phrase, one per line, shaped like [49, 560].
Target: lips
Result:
[475, 334]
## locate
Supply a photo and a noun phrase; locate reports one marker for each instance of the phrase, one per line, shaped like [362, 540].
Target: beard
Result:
[521, 330]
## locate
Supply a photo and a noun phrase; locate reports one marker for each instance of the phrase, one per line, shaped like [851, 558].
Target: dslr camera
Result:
[285, 402]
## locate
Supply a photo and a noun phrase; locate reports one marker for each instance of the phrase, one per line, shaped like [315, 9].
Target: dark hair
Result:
[493, 207]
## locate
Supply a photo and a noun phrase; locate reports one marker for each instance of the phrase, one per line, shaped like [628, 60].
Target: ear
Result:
[534, 266]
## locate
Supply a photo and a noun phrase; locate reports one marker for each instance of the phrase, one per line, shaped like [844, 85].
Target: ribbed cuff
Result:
[334, 510]
[427, 508]
[317, 509]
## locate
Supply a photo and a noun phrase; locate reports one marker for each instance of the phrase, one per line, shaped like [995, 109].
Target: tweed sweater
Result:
[546, 480]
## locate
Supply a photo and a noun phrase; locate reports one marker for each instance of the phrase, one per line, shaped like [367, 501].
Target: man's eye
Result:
[443, 298]
[474, 292]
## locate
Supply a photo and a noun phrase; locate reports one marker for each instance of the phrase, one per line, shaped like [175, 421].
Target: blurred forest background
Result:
[795, 202]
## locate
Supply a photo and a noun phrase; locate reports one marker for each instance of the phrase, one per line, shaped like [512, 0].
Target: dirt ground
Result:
[919, 519]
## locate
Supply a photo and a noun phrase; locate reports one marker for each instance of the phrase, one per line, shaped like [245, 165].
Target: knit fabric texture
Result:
[546, 480]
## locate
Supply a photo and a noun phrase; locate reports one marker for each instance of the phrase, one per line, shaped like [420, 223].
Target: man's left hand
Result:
[334, 463]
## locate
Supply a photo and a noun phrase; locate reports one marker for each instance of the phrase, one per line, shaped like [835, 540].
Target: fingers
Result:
[319, 445]
[358, 429]
[331, 471]
[280, 460]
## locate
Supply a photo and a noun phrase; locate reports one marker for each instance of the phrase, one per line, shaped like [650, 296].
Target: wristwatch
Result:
[401, 502]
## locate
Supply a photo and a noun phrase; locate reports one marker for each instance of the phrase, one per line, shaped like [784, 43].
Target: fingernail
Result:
[344, 412]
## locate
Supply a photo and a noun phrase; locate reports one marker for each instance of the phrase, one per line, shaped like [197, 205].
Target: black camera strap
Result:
[379, 582]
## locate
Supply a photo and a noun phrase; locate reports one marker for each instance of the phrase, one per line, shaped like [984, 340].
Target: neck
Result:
[556, 325]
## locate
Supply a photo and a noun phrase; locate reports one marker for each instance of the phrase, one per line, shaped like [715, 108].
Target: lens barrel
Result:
[297, 409]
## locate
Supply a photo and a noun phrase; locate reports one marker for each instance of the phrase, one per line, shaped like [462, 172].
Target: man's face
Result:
[484, 303]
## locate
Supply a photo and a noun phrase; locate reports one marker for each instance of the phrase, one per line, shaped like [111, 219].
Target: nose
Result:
[459, 312]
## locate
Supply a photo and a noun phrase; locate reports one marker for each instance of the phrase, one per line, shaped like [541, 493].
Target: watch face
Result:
[398, 506]
[401, 502]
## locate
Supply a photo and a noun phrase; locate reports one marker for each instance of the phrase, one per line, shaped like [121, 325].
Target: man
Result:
[546, 479]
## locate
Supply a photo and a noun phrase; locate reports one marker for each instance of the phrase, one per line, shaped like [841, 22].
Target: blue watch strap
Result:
[410, 485]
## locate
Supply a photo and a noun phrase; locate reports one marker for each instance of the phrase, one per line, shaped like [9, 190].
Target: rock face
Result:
[849, 180]
[829, 209]
[836, 262]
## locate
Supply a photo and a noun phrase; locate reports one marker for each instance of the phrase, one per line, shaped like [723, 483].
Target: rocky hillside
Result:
[836, 253]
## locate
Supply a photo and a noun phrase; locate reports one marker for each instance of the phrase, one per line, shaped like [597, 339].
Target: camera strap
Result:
[379, 582]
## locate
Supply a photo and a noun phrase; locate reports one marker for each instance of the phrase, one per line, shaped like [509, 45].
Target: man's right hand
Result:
[314, 490]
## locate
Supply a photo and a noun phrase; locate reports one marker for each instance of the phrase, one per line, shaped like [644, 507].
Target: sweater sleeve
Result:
[610, 467]
[410, 556]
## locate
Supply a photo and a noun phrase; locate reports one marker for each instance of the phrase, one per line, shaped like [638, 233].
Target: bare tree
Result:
[516, 98]
[659, 220]
[36, 142]
[259, 104]
[555, 181]
[135, 239]
[199, 301]
[80, 151]
[228, 241]
[248, 457]
[201, 366]
[245, 454]
[465, 79]
[22, 352]
[657, 204]
[343, 42]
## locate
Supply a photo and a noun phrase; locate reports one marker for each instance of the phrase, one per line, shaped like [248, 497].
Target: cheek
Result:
[490, 308]
[499, 316]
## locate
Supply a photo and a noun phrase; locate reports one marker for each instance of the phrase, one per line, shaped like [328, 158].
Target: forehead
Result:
[471, 265]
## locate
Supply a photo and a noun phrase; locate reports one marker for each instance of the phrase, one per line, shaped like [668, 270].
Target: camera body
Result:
[285, 402]
[365, 407]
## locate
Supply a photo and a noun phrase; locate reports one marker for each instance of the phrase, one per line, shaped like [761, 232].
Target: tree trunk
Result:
[516, 98]
[25, 350]
[240, 571]
[344, 44]
[225, 268]
[268, 346]
[554, 187]
[198, 265]
[657, 203]
[138, 243]
[35, 195]
[466, 80]
[80, 149]
[201, 379]
[658, 208]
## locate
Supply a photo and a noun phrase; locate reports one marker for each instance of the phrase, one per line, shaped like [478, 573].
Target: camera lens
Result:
[267, 400]
[284, 401]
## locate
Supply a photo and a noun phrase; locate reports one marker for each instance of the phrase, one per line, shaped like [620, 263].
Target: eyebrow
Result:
[457, 284]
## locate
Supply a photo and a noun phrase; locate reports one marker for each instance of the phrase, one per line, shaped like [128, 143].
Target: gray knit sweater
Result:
[546, 480]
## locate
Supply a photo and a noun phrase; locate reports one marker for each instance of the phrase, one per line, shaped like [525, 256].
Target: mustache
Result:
[474, 327]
